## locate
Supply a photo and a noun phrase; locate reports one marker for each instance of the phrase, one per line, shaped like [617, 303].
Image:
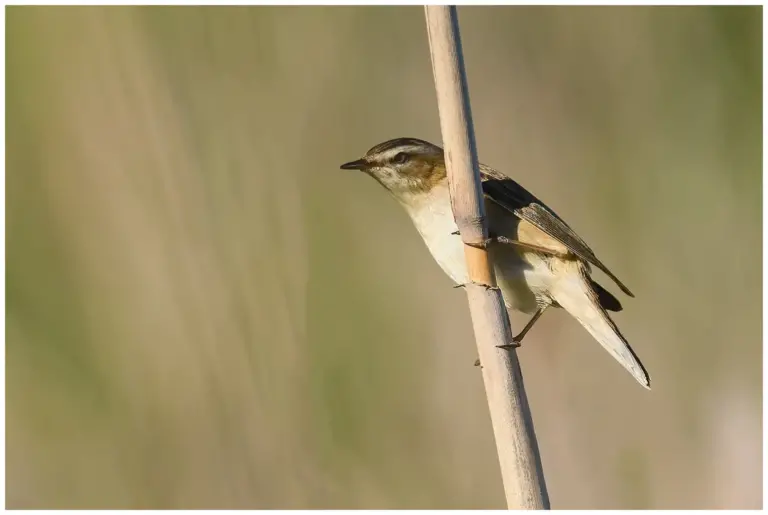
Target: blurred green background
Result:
[203, 311]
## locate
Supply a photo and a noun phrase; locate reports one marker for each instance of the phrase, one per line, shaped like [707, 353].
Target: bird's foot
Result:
[487, 287]
[483, 245]
[514, 344]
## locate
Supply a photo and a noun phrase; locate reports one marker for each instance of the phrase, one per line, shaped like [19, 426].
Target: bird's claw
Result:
[483, 245]
[507, 346]
[513, 345]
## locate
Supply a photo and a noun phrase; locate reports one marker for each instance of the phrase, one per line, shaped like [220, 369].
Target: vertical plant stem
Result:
[516, 444]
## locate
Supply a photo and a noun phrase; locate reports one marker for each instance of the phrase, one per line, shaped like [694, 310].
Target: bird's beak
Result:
[360, 164]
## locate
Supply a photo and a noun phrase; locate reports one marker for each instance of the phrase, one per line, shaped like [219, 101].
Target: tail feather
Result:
[577, 296]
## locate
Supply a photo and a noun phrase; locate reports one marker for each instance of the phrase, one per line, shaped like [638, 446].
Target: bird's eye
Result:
[400, 158]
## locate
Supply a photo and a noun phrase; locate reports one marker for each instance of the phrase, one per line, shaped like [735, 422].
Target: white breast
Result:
[431, 214]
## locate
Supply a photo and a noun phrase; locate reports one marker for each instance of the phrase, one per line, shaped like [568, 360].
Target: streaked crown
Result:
[386, 151]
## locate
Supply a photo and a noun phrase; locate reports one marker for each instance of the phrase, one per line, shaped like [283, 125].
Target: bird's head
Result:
[404, 166]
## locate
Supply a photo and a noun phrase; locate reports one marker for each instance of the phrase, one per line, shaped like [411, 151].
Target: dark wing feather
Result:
[607, 300]
[508, 194]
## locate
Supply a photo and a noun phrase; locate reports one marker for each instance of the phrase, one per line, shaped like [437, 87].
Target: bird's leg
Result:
[535, 248]
[494, 238]
[517, 340]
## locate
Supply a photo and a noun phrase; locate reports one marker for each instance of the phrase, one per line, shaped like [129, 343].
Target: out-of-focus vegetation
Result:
[203, 311]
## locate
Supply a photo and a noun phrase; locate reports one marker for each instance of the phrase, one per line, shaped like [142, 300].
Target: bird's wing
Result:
[503, 191]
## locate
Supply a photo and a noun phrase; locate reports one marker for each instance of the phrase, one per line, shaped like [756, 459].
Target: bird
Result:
[539, 261]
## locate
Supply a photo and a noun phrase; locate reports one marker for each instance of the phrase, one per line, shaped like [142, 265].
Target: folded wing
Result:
[503, 191]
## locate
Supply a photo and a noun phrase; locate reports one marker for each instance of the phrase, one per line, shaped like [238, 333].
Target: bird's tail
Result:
[576, 295]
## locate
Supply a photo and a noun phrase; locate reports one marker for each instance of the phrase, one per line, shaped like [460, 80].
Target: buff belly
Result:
[523, 277]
